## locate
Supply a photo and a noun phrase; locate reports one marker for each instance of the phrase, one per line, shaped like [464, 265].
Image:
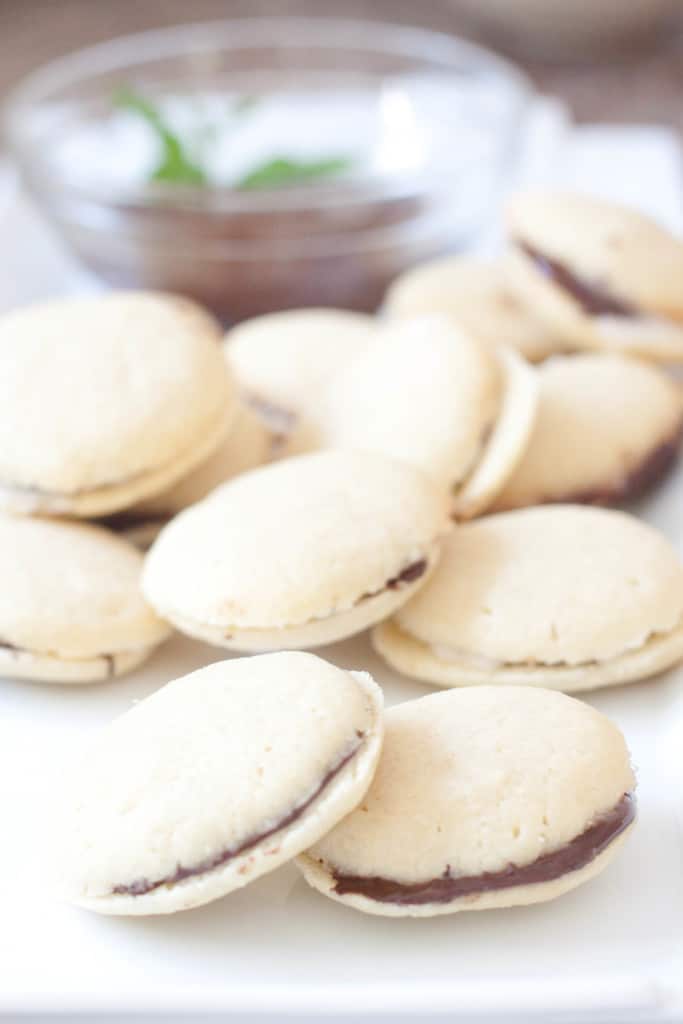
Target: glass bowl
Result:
[429, 124]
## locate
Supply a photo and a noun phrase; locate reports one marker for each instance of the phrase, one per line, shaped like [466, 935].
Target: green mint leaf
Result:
[176, 166]
[286, 171]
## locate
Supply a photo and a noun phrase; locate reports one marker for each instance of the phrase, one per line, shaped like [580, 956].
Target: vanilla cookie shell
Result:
[216, 779]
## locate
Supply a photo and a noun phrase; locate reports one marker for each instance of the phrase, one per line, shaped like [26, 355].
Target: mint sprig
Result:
[282, 170]
[178, 166]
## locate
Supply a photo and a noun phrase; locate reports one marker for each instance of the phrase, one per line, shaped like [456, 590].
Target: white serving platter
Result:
[612, 950]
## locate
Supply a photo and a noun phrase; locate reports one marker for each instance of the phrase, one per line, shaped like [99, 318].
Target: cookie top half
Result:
[560, 595]
[478, 296]
[297, 544]
[621, 250]
[71, 609]
[217, 778]
[282, 360]
[481, 798]
[606, 429]
[429, 393]
[106, 400]
[603, 275]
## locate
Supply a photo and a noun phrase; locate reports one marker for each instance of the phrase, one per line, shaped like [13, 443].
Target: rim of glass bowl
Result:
[321, 33]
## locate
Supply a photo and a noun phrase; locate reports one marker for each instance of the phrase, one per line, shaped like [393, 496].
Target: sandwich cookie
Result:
[107, 400]
[601, 275]
[247, 445]
[71, 610]
[477, 296]
[482, 798]
[283, 360]
[426, 392]
[607, 429]
[299, 553]
[563, 596]
[219, 777]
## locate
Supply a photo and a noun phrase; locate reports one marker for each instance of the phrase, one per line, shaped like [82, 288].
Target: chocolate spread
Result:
[243, 262]
[411, 573]
[593, 299]
[278, 420]
[571, 857]
[141, 886]
[637, 482]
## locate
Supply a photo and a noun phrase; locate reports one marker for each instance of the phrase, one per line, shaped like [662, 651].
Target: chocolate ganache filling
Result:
[411, 573]
[278, 419]
[571, 857]
[591, 297]
[141, 886]
[637, 482]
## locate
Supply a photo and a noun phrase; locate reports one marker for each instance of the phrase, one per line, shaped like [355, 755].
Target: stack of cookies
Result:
[430, 474]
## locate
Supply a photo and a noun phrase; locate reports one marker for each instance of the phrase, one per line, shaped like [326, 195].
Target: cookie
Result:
[248, 444]
[216, 779]
[71, 610]
[482, 798]
[563, 596]
[298, 553]
[601, 275]
[107, 400]
[477, 296]
[426, 392]
[282, 360]
[607, 429]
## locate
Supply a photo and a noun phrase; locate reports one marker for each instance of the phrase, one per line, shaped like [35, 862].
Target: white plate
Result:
[277, 945]
[612, 948]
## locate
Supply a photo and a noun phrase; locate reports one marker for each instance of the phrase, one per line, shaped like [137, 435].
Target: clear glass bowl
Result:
[431, 120]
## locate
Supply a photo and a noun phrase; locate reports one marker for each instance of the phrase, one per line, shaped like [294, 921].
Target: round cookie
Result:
[482, 798]
[282, 360]
[218, 778]
[299, 553]
[601, 275]
[477, 296]
[248, 445]
[71, 610]
[426, 392]
[107, 400]
[606, 430]
[563, 596]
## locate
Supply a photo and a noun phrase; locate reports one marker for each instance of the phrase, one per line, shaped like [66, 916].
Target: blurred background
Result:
[610, 60]
[393, 146]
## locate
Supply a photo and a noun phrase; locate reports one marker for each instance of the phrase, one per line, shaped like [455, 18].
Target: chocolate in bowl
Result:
[438, 119]
[243, 263]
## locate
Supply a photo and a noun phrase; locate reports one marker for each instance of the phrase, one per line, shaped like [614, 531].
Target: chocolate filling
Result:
[280, 421]
[637, 482]
[141, 886]
[411, 573]
[571, 857]
[130, 520]
[593, 299]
